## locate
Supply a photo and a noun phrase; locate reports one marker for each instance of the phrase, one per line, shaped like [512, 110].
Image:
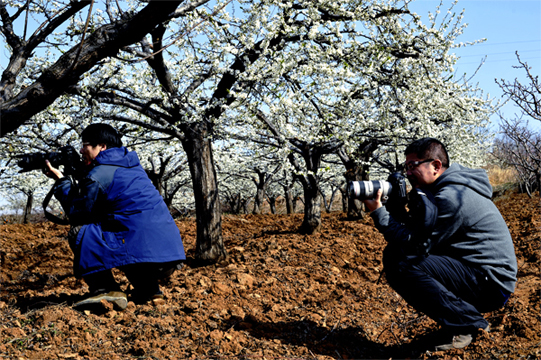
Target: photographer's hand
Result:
[375, 203]
[52, 172]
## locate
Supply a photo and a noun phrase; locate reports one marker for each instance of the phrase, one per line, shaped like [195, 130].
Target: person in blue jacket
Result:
[118, 220]
[466, 265]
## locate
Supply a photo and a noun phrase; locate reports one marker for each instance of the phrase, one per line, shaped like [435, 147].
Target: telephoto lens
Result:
[365, 190]
[67, 156]
[36, 161]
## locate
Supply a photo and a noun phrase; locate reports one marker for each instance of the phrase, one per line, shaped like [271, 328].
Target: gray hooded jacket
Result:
[469, 227]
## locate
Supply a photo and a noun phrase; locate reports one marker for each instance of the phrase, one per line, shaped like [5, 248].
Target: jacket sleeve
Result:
[77, 200]
[392, 230]
[416, 231]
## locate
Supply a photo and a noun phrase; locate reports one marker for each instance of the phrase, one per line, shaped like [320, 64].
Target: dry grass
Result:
[501, 176]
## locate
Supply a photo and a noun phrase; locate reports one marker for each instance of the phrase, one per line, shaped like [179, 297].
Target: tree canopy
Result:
[303, 80]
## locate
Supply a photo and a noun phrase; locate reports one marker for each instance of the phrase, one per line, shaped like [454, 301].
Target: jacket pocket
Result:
[113, 240]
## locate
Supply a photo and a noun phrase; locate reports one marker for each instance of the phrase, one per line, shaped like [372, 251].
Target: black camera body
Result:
[67, 157]
[394, 188]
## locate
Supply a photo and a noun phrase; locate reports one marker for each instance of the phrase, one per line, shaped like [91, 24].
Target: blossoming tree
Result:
[304, 77]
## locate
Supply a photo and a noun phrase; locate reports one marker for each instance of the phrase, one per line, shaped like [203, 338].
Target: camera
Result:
[66, 156]
[394, 188]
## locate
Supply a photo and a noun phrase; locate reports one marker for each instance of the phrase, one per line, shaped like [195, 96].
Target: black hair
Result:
[429, 148]
[101, 133]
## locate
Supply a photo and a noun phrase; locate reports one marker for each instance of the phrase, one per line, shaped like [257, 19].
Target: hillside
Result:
[283, 296]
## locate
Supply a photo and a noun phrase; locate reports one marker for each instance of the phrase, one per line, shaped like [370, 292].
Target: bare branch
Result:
[526, 97]
[104, 42]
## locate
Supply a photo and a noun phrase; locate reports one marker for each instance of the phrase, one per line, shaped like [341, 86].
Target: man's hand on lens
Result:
[375, 203]
[52, 172]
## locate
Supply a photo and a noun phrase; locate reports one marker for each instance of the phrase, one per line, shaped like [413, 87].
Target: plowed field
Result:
[282, 296]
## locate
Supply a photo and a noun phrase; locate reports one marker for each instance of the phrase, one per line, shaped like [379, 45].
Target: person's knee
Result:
[394, 273]
[392, 262]
[400, 270]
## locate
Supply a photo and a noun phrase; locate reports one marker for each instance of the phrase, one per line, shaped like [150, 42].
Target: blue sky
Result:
[508, 26]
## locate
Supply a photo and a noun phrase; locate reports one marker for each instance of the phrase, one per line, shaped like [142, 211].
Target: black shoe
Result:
[117, 298]
[142, 297]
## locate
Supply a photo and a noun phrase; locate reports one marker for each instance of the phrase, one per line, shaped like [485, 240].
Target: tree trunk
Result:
[198, 147]
[296, 200]
[261, 183]
[328, 207]
[272, 204]
[354, 172]
[288, 193]
[234, 204]
[245, 205]
[354, 206]
[345, 199]
[310, 183]
[258, 201]
[312, 210]
[290, 207]
[28, 207]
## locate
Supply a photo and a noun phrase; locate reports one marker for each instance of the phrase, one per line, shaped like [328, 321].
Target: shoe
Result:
[158, 296]
[139, 297]
[449, 341]
[117, 298]
[455, 342]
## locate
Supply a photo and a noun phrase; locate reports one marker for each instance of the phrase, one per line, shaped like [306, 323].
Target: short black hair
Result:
[429, 148]
[101, 133]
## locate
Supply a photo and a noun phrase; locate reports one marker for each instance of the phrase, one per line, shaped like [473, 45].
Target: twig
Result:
[84, 34]
[390, 330]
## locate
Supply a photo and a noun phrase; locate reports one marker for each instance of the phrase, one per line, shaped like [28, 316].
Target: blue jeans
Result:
[447, 290]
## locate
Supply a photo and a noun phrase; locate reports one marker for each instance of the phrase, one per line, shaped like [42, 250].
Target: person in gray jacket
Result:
[466, 265]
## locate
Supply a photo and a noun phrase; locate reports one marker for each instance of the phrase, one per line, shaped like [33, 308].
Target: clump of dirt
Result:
[283, 295]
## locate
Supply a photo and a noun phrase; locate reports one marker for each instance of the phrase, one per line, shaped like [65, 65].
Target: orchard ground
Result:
[282, 296]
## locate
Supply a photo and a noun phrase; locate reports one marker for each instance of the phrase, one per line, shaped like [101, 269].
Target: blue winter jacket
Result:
[124, 218]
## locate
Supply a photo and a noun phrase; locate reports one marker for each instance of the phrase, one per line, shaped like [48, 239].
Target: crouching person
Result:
[118, 220]
[453, 259]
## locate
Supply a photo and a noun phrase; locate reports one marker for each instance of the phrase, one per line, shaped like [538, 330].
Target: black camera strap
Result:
[50, 216]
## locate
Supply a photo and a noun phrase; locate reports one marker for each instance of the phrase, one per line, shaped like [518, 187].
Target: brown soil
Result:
[283, 296]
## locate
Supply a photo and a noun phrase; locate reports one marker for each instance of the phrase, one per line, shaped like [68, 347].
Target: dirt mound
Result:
[284, 295]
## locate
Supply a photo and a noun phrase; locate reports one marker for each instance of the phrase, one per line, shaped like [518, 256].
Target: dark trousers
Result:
[144, 277]
[445, 289]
